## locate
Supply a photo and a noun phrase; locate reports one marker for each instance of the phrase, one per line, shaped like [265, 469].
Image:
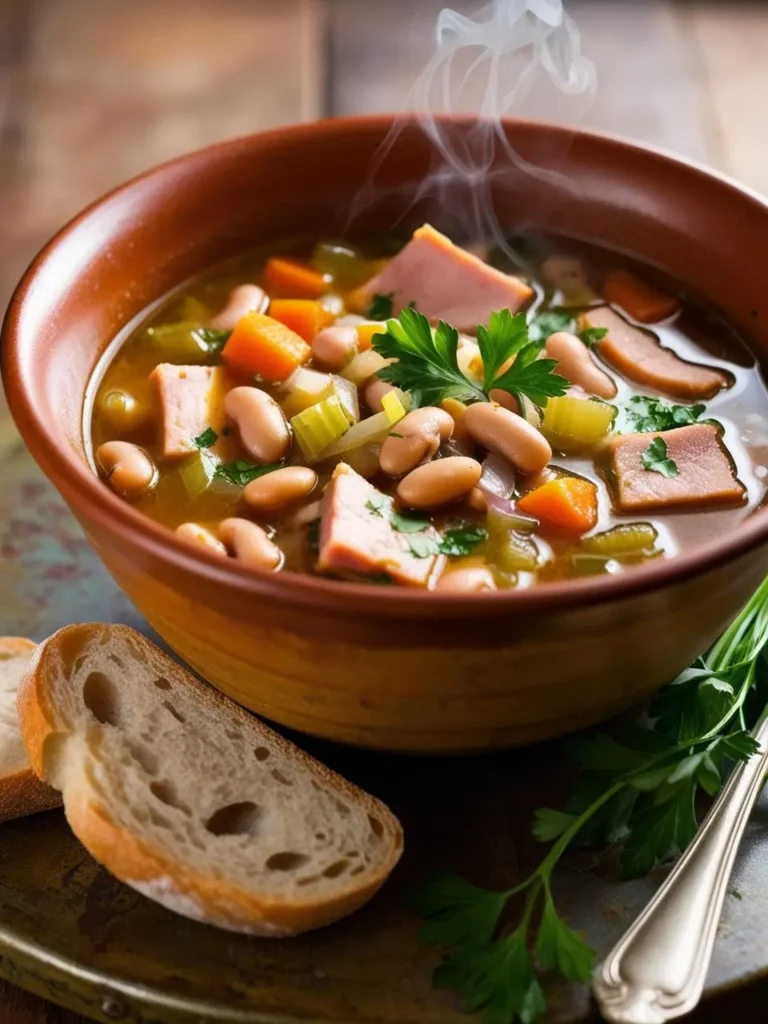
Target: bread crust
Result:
[148, 869]
[22, 792]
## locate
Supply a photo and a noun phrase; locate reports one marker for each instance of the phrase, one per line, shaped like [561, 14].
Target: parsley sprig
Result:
[656, 459]
[427, 365]
[638, 787]
[648, 414]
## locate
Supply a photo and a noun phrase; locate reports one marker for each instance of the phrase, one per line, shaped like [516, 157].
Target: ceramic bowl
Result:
[387, 667]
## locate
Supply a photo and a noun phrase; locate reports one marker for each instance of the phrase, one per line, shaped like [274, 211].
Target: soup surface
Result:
[432, 416]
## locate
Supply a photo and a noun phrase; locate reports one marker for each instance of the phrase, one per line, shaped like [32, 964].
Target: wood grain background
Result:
[94, 91]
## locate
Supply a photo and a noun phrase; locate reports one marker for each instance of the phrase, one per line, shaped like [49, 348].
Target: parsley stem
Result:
[565, 839]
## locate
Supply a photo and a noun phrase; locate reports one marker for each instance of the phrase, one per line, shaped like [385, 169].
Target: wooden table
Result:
[94, 91]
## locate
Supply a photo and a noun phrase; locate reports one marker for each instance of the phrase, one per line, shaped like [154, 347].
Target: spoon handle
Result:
[657, 969]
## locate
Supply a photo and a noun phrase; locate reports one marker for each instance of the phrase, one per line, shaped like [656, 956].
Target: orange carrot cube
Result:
[261, 345]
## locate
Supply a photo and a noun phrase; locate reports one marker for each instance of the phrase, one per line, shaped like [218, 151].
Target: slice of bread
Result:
[21, 792]
[189, 799]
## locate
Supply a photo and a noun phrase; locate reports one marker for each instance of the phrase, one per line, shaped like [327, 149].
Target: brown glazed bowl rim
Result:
[80, 486]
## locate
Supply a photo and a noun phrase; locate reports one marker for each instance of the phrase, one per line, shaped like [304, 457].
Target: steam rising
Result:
[512, 58]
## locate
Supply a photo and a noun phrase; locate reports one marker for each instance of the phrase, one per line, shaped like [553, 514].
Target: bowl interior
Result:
[318, 180]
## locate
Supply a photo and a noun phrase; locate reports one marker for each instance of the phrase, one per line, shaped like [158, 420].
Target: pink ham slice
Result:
[356, 533]
[639, 357]
[446, 282]
[192, 400]
[705, 475]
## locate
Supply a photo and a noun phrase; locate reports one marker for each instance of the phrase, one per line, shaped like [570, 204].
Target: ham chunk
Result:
[192, 400]
[639, 357]
[356, 533]
[705, 478]
[446, 282]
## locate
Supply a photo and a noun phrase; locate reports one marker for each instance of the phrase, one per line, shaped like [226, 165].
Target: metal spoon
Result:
[657, 969]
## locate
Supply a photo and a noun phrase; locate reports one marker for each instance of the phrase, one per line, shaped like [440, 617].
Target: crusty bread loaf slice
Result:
[187, 798]
[21, 792]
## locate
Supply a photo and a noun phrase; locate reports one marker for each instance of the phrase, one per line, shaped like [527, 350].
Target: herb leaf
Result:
[241, 472]
[533, 377]
[381, 307]
[461, 540]
[426, 362]
[559, 948]
[591, 335]
[408, 522]
[648, 415]
[457, 911]
[503, 338]
[550, 321]
[656, 459]
[214, 339]
[376, 507]
[207, 439]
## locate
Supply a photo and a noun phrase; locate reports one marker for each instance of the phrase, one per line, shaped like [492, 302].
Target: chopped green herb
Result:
[423, 547]
[591, 335]
[650, 414]
[638, 786]
[213, 339]
[408, 522]
[313, 536]
[376, 506]
[381, 307]
[462, 540]
[736, 894]
[207, 439]
[241, 472]
[656, 459]
[382, 578]
[549, 322]
[427, 367]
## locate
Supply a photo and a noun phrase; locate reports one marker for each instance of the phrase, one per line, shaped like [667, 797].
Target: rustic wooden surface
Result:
[93, 91]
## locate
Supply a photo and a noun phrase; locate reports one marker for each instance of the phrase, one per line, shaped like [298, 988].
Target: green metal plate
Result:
[71, 933]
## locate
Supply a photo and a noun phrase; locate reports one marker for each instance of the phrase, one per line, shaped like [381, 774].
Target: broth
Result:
[561, 549]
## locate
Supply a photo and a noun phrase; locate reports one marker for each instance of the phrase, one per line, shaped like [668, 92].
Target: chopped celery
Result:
[319, 426]
[590, 565]
[346, 392]
[341, 263]
[370, 431]
[627, 539]
[179, 341]
[305, 388]
[363, 366]
[572, 423]
[198, 471]
[512, 551]
[393, 406]
[194, 309]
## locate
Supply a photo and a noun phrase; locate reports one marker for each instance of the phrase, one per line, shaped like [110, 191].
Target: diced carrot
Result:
[262, 345]
[287, 279]
[304, 316]
[568, 503]
[642, 301]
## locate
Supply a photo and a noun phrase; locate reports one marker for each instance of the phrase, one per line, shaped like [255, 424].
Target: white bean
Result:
[244, 299]
[283, 487]
[250, 545]
[574, 361]
[501, 431]
[260, 422]
[466, 581]
[128, 468]
[415, 439]
[193, 533]
[439, 483]
[334, 347]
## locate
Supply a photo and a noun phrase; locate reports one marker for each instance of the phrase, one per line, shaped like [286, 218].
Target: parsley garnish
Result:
[638, 786]
[376, 507]
[423, 547]
[207, 439]
[213, 339]
[550, 321]
[656, 459]
[591, 335]
[241, 472]
[426, 360]
[651, 414]
[462, 539]
[381, 307]
[408, 522]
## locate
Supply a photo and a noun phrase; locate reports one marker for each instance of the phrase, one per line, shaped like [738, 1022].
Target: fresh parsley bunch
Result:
[427, 365]
[638, 787]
